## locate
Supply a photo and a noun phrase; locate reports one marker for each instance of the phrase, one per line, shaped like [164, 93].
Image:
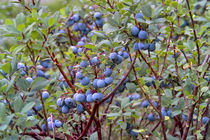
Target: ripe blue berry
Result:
[143, 35]
[100, 22]
[152, 47]
[205, 120]
[145, 103]
[80, 108]
[151, 117]
[58, 123]
[101, 83]
[139, 15]
[133, 133]
[85, 81]
[51, 125]
[65, 109]
[76, 17]
[74, 49]
[95, 83]
[83, 63]
[59, 102]
[108, 72]
[68, 101]
[97, 96]
[134, 31]
[184, 117]
[80, 98]
[97, 15]
[79, 75]
[39, 107]
[125, 55]
[108, 80]
[113, 56]
[136, 46]
[94, 61]
[88, 92]
[45, 95]
[155, 103]
[118, 60]
[29, 79]
[89, 98]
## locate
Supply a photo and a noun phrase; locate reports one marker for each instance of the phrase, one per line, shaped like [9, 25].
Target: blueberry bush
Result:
[105, 69]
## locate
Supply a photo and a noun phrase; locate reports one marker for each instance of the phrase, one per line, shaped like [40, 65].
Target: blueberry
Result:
[135, 96]
[65, 109]
[120, 53]
[70, 21]
[29, 79]
[22, 73]
[100, 22]
[184, 117]
[89, 98]
[97, 15]
[134, 31]
[155, 103]
[40, 73]
[97, 96]
[118, 60]
[39, 107]
[46, 63]
[88, 92]
[94, 61]
[29, 113]
[101, 84]
[133, 133]
[177, 55]
[80, 98]
[145, 103]
[113, 56]
[121, 88]
[81, 43]
[50, 119]
[62, 32]
[76, 17]
[139, 15]
[80, 108]
[81, 26]
[84, 38]
[108, 72]
[83, 63]
[51, 125]
[79, 75]
[151, 117]
[63, 84]
[143, 35]
[74, 49]
[85, 81]
[108, 80]
[205, 120]
[152, 47]
[140, 46]
[58, 123]
[59, 102]
[136, 46]
[43, 127]
[76, 28]
[95, 83]
[146, 46]
[125, 55]
[68, 101]
[20, 65]
[45, 95]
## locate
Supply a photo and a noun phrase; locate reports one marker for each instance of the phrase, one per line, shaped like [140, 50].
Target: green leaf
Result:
[177, 112]
[131, 87]
[18, 104]
[18, 49]
[27, 107]
[113, 115]
[123, 125]
[2, 110]
[117, 17]
[204, 89]
[13, 65]
[51, 21]
[6, 122]
[147, 10]
[94, 39]
[12, 81]
[20, 19]
[38, 84]
[21, 27]
[22, 84]
[6, 67]
[107, 28]
[94, 136]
